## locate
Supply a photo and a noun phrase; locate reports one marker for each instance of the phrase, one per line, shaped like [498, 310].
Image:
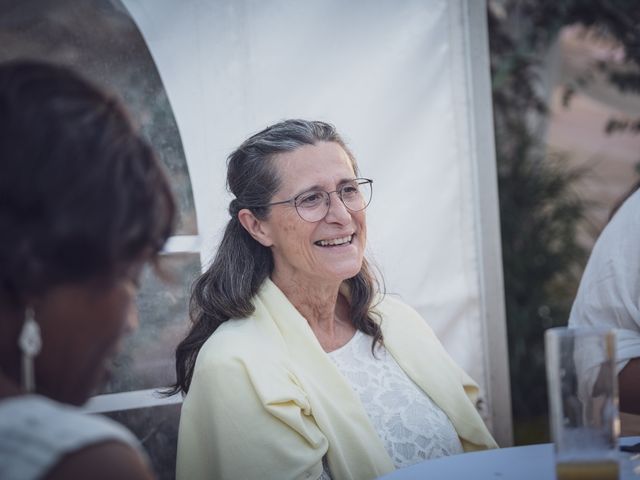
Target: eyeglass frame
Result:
[292, 200]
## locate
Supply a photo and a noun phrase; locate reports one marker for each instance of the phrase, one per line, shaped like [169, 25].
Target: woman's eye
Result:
[310, 200]
[349, 190]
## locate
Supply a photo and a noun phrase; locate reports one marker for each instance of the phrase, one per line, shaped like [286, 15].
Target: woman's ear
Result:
[255, 227]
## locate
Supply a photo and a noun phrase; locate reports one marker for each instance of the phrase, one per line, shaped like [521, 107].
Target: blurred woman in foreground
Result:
[84, 204]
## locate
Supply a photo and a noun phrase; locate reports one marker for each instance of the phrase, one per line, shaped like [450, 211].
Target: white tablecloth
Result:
[532, 462]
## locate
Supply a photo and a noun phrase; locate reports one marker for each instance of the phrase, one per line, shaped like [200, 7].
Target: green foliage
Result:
[540, 220]
[541, 215]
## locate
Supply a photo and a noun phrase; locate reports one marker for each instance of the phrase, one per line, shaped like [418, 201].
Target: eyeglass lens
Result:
[313, 206]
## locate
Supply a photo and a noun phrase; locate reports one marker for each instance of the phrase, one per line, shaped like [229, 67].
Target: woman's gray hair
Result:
[242, 264]
[251, 174]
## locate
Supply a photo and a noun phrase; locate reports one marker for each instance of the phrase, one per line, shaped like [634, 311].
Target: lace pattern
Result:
[412, 427]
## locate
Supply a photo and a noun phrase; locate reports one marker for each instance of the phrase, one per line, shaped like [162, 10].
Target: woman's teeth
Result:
[334, 241]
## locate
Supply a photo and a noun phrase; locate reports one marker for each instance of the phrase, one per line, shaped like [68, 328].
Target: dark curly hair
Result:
[81, 192]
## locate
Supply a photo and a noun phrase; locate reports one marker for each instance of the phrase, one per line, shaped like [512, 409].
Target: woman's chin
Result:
[345, 272]
[100, 379]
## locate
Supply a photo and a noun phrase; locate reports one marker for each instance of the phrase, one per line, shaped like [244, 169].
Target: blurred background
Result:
[566, 85]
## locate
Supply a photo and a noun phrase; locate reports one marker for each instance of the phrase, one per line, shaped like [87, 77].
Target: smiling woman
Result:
[296, 365]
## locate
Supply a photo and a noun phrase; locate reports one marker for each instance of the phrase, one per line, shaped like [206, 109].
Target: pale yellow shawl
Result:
[266, 402]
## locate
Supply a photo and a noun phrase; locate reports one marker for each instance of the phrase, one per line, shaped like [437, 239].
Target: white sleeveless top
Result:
[36, 432]
[412, 427]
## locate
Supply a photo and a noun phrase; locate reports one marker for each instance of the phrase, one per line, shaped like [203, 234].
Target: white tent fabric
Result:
[394, 78]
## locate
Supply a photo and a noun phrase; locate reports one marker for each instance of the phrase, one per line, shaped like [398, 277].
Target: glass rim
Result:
[578, 331]
[366, 181]
[292, 201]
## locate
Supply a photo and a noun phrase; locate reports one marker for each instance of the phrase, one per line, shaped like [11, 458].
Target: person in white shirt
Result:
[609, 296]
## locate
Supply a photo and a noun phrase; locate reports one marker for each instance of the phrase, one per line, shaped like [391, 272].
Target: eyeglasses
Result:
[313, 205]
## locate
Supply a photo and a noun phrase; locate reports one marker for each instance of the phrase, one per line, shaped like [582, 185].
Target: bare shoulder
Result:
[106, 460]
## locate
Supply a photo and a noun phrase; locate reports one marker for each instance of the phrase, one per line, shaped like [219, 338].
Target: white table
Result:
[531, 462]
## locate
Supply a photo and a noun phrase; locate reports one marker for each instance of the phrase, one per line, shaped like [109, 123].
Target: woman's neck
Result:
[8, 388]
[326, 311]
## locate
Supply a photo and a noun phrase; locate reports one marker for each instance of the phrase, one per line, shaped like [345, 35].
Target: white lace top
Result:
[411, 426]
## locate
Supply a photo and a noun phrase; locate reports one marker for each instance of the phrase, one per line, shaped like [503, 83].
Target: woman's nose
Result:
[133, 320]
[338, 212]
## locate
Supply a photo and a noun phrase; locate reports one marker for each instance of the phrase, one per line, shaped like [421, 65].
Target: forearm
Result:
[629, 387]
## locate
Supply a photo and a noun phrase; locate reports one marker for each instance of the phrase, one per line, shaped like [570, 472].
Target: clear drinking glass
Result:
[583, 402]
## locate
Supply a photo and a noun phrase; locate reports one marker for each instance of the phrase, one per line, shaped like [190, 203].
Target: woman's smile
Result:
[335, 242]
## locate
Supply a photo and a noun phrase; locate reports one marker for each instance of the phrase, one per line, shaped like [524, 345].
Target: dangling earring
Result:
[30, 343]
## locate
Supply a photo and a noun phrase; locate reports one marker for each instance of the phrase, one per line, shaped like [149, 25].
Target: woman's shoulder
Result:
[36, 433]
[398, 318]
[391, 305]
[103, 461]
[388, 301]
[39, 415]
[240, 341]
[248, 355]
